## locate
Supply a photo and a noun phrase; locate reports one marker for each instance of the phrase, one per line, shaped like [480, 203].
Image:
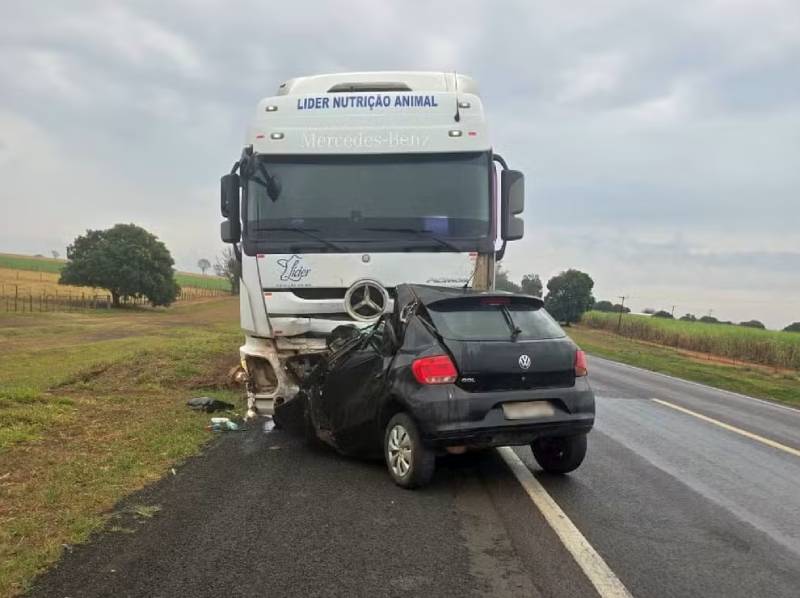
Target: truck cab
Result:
[348, 185]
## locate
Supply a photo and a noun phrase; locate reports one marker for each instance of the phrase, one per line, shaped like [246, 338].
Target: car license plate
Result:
[528, 409]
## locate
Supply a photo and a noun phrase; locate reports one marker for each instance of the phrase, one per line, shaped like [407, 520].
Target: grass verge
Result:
[753, 380]
[92, 408]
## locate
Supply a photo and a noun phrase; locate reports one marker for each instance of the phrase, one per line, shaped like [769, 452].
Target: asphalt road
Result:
[675, 504]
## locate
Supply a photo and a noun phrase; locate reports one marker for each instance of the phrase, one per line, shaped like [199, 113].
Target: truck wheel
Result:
[409, 461]
[560, 454]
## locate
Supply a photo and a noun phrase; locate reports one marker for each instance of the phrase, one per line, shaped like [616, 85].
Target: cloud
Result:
[652, 135]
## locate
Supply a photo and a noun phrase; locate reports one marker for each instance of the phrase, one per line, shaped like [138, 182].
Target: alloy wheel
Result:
[400, 450]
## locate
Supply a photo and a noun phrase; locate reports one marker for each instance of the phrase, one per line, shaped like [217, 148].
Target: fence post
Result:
[16, 294]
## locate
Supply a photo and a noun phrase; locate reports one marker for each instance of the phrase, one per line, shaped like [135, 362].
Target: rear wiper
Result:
[423, 233]
[515, 330]
[303, 231]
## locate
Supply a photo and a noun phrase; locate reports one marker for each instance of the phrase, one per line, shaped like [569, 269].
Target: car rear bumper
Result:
[450, 416]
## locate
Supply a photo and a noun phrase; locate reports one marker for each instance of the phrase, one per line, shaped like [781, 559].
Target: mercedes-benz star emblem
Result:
[366, 300]
[524, 361]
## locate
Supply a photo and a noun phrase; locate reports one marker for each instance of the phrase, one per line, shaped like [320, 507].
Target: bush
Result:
[663, 314]
[793, 327]
[753, 324]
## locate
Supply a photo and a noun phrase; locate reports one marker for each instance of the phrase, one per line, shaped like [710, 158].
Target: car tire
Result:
[560, 454]
[409, 461]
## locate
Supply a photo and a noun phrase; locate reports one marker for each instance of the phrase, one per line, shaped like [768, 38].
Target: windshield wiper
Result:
[426, 234]
[303, 231]
[515, 330]
[270, 182]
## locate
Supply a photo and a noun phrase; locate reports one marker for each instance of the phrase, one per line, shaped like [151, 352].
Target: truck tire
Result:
[560, 454]
[409, 461]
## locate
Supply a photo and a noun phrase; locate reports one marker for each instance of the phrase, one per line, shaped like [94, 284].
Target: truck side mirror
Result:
[231, 227]
[512, 203]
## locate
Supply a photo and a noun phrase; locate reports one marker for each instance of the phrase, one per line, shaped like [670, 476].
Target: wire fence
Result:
[21, 299]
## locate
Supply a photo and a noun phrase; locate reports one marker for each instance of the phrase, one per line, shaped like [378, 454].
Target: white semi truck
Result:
[348, 185]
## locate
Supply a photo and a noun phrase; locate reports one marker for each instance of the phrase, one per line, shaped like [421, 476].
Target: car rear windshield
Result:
[486, 320]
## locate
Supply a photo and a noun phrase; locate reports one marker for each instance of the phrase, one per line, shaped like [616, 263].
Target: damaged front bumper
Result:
[270, 381]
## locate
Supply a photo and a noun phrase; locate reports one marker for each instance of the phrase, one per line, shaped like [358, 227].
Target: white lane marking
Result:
[794, 410]
[716, 422]
[599, 573]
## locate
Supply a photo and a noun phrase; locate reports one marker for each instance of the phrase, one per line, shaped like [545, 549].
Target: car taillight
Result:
[580, 363]
[437, 369]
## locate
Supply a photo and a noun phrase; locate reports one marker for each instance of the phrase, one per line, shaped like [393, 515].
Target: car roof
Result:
[429, 294]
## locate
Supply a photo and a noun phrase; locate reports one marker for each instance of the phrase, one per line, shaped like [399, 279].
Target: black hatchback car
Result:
[450, 370]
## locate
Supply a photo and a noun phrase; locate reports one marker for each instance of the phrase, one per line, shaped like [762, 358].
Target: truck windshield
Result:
[411, 200]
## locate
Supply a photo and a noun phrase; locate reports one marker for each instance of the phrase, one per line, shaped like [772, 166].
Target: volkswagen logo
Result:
[524, 361]
[366, 300]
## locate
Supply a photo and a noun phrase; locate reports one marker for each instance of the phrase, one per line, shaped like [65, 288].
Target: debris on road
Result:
[223, 424]
[208, 404]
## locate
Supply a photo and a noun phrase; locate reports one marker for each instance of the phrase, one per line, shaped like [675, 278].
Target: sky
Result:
[660, 141]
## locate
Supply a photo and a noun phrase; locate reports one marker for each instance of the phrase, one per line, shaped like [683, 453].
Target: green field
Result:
[27, 262]
[95, 401]
[187, 279]
[752, 380]
[46, 264]
[752, 345]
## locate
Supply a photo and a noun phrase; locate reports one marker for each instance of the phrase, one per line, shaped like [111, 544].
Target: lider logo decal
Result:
[293, 268]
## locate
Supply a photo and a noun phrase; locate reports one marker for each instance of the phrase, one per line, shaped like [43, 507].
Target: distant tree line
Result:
[570, 295]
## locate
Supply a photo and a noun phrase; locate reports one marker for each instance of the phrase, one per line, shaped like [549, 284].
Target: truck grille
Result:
[529, 381]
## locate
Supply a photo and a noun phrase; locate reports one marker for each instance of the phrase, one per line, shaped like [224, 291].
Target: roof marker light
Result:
[463, 104]
[260, 136]
[472, 133]
[454, 133]
[272, 108]
[276, 135]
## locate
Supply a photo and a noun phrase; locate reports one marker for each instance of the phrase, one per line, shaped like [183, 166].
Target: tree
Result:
[663, 314]
[228, 266]
[709, 320]
[649, 311]
[618, 307]
[531, 285]
[752, 324]
[688, 318]
[502, 282]
[569, 295]
[125, 259]
[204, 265]
[604, 306]
[55, 254]
[793, 327]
